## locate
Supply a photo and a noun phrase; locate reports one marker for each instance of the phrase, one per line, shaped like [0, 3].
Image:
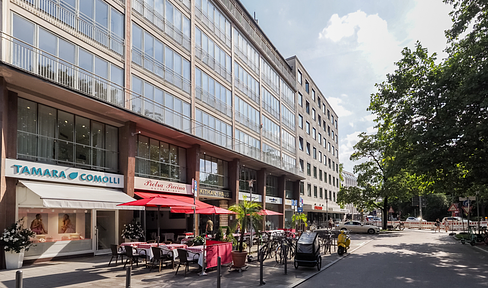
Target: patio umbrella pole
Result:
[159, 207]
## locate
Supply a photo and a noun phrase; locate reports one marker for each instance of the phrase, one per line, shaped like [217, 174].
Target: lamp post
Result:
[327, 210]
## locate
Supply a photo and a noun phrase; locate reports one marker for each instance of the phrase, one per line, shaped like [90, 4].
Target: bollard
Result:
[19, 282]
[127, 277]
[286, 256]
[261, 259]
[218, 272]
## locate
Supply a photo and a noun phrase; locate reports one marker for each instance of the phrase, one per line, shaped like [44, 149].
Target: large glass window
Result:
[245, 51]
[272, 186]
[160, 160]
[213, 93]
[246, 83]
[214, 172]
[271, 104]
[213, 129]
[212, 55]
[246, 175]
[54, 136]
[247, 144]
[214, 20]
[247, 115]
[154, 56]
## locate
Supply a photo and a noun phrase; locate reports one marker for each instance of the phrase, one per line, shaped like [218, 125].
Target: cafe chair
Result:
[185, 259]
[158, 258]
[132, 256]
[116, 253]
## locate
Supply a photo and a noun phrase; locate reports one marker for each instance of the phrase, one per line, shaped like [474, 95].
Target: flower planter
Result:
[14, 260]
[239, 259]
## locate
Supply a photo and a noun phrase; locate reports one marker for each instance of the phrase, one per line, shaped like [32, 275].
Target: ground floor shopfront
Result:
[72, 211]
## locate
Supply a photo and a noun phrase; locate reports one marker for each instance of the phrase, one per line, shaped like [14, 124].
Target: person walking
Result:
[437, 225]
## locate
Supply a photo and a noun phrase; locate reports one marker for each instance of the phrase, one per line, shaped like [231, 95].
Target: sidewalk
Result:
[86, 271]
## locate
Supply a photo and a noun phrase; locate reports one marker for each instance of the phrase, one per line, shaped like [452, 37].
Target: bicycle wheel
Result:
[279, 255]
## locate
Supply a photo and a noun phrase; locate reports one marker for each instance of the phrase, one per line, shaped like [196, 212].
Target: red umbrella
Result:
[157, 201]
[269, 212]
[213, 210]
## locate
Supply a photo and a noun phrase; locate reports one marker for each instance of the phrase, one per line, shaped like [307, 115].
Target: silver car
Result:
[358, 227]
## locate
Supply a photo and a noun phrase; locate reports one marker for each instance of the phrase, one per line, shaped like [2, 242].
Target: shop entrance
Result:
[104, 230]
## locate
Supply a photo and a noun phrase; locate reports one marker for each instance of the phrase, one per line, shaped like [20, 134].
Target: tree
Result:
[244, 210]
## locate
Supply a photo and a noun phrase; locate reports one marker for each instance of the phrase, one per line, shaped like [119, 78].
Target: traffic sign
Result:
[391, 210]
[466, 203]
[467, 209]
[300, 209]
[452, 208]
[301, 202]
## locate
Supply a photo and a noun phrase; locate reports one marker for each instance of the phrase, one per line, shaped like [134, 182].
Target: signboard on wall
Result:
[60, 174]
[255, 197]
[274, 200]
[162, 186]
[214, 193]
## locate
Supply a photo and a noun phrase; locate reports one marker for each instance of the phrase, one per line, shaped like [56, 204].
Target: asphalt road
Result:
[411, 258]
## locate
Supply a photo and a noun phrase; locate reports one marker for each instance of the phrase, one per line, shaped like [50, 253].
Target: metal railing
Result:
[160, 69]
[213, 102]
[246, 121]
[222, 36]
[47, 66]
[160, 22]
[63, 15]
[246, 90]
[212, 63]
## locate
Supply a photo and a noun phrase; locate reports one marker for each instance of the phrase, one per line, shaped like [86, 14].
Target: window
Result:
[300, 162]
[320, 121]
[325, 159]
[307, 107]
[333, 150]
[337, 167]
[307, 128]
[328, 130]
[314, 133]
[333, 166]
[320, 138]
[314, 153]
[272, 186]
[328, 146]
[320, 156]
[318, 99]
[313, 114]
[307, 86]
[299, 78]
[308, 148]
[300, 143]
[302, 188]
[320, 175]
[309, 168]
[328, 114]
[315, 191]
[300, 99]
[309, 190]
[336, 124]
[321, 193]
[330, 194]
[313, 96]
[334, 196]
[332, 116]
[214, 172]
[333, 181]
[53, 136]
[329, 165]
[323, 108]
[330, 179]
[325, 177]
[314, 172]
[300, 121]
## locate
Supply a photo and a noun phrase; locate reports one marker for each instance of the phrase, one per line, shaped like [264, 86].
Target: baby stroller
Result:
[308, 251]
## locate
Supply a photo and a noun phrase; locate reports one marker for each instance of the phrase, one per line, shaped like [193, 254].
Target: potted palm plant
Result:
[244, 211]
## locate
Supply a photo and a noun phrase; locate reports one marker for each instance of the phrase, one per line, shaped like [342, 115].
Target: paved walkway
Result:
[86, 271]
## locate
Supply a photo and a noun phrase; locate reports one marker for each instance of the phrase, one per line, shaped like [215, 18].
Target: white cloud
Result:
[368, 118]
[346, 149]
[336, 103]
[378, 45]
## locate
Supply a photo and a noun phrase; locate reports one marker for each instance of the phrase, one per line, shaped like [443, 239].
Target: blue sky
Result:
[348, 46]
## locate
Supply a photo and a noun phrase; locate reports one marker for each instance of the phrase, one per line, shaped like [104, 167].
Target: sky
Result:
[348, 46]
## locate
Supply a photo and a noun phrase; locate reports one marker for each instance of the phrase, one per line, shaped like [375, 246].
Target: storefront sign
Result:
[214, 193]
[288, 202]
[161, 186]
[317, 208]
[255, 197]
[54, 173]
[274, 200]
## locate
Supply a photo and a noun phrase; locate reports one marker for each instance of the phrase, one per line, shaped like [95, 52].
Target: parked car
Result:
[454, 219]
[372, 218]
[358, 227]
[413, 219]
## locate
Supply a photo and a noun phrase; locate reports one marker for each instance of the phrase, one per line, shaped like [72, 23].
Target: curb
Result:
[329, 265]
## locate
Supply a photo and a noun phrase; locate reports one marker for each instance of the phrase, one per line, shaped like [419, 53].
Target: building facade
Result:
[350, 180]
[102, 101]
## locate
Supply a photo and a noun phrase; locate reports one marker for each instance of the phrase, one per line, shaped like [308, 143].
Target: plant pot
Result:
[239, 259]
[14, 260]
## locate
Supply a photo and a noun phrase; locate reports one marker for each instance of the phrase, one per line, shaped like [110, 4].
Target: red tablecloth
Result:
[133, 244]
[215, 249]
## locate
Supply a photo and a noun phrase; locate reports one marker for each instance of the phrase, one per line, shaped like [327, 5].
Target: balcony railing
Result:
[246, 121]
[245, 59]
[160, 22]
[65, 16]
[159, 69]
[221, 35]
[212, 63]
[54, 69]
[213, 102]
[246, 90]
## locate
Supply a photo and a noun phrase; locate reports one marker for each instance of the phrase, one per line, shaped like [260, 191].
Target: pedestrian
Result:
[446, 225]
[437, 225]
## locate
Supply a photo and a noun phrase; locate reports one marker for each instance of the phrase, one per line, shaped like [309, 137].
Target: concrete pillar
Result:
[193, 172]
[234, 175]
[281, 194]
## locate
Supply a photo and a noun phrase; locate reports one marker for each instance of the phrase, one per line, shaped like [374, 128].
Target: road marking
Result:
[330, 264]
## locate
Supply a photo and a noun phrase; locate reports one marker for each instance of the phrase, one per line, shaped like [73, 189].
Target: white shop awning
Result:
[55, 195]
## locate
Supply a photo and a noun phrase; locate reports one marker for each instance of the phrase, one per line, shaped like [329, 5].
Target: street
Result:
[411, 258]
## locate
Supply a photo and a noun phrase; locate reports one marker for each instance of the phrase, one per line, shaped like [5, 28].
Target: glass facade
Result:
[159, 160]
[49, 135]
[214, 172]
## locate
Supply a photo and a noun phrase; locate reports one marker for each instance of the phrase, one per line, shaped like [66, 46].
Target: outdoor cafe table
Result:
[196, 250]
